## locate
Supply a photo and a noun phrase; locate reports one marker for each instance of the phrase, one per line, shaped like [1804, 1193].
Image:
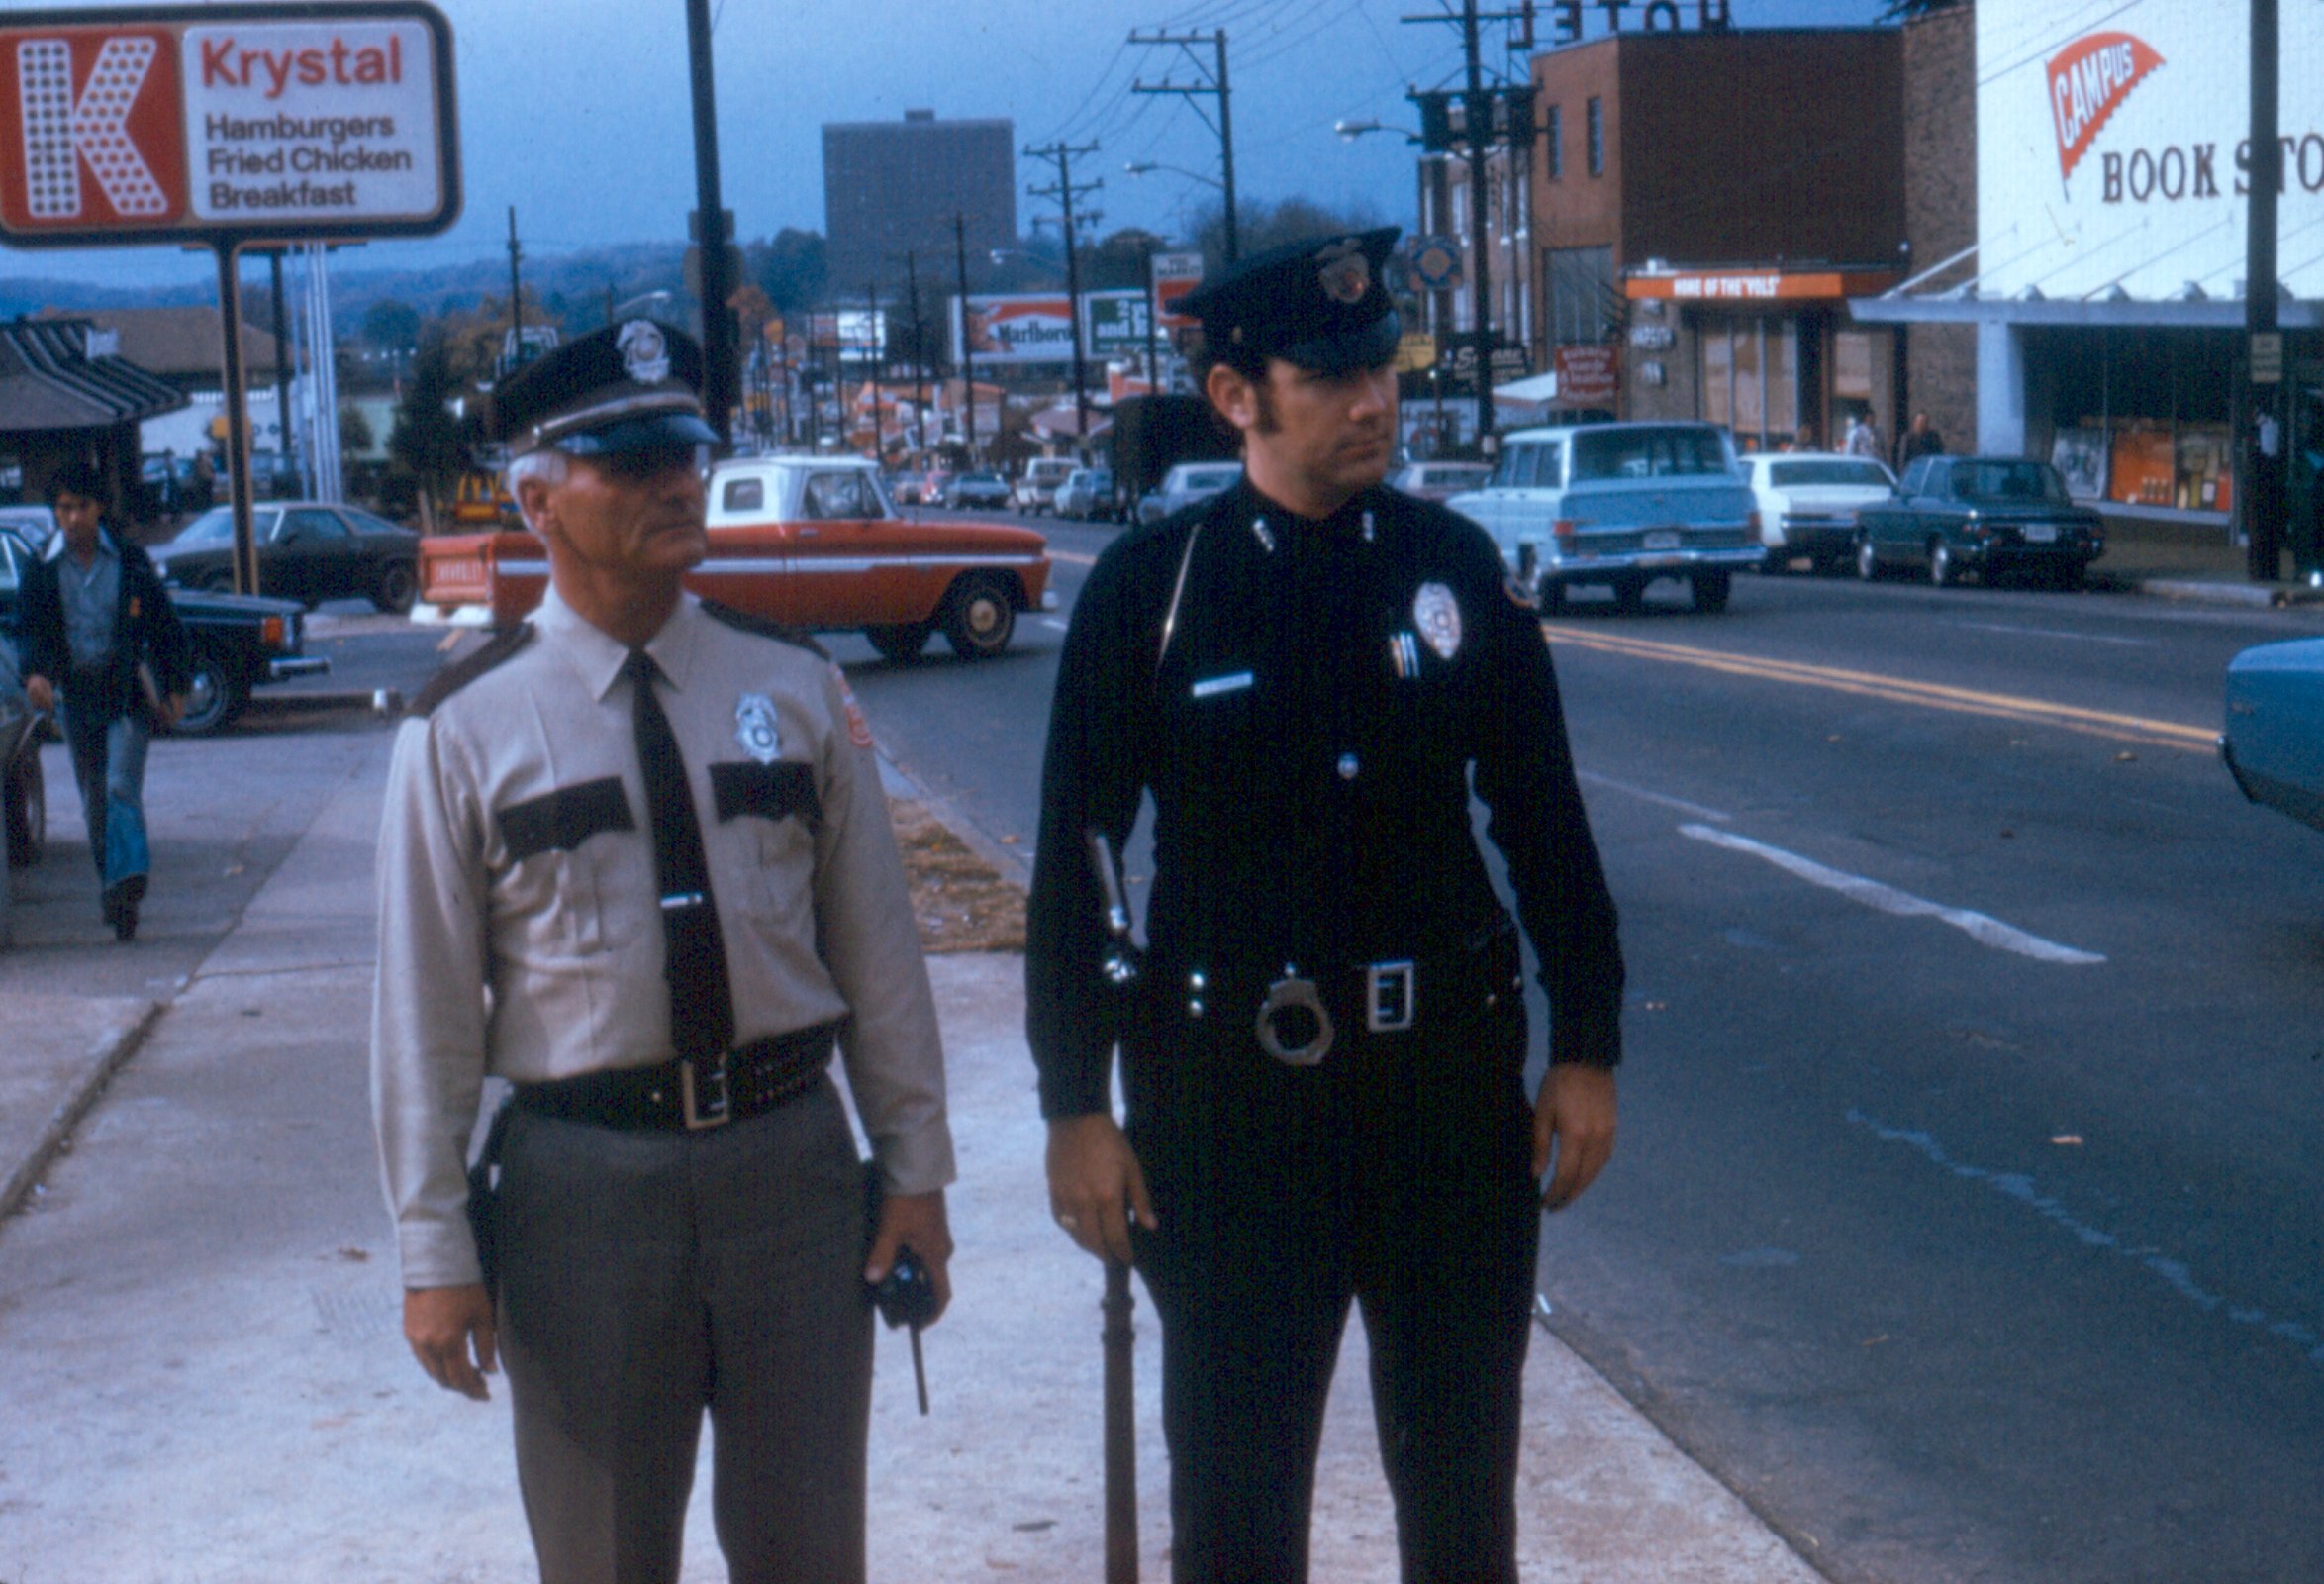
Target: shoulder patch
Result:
[760, 627]
[501, 646]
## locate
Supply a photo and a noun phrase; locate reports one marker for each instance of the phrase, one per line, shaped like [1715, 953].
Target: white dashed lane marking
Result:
[1981, 927]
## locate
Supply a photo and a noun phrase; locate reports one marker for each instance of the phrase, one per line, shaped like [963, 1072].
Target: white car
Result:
[1186, 484]
[1036, 491]
[1808, 501]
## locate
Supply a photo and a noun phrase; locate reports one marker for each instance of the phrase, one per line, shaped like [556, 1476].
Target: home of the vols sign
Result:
[213, 119]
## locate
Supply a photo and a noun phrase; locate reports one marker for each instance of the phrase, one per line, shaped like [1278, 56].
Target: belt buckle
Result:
[1285, 995]
[715, 1089]
[1388, 997]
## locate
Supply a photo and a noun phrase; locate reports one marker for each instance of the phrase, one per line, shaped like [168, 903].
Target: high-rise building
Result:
[893, 186]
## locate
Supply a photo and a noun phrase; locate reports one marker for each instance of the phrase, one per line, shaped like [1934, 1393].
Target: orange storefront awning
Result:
[1758, 286]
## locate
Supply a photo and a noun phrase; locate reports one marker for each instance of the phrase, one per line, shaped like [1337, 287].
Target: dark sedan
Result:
[1988, 515]
[976, 491]
[308, 551]
[238, 642]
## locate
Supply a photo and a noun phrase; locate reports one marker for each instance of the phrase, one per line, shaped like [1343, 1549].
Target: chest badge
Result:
[1438, 617]
[754, 728]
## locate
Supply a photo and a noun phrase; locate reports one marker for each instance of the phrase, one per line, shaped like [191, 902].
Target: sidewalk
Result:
[198, 1322]
[2148, 553]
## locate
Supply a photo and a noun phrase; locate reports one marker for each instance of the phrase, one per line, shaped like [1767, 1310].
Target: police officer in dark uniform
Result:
[637, 861]
[1323, 1053]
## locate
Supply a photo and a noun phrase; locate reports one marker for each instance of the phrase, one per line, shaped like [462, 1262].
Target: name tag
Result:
[1211, 686]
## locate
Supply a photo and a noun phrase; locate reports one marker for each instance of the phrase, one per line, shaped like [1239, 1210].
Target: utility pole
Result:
[920, 350]
[878, 372]
[718, 329]
[2263, 508]
[516, 296]
[282, 363]
[967, 340]
[1065, 192]
[1478, 121]
[1218, 87]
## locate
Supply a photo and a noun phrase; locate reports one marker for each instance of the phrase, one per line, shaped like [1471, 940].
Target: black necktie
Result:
[701, 1002]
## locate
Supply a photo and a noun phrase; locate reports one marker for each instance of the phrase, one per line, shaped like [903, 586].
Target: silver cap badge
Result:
[1438, 617]
[754, 728]
[646, 356]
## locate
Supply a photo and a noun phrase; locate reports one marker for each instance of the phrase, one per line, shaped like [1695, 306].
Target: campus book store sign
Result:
[277, 122]
[2118, 157]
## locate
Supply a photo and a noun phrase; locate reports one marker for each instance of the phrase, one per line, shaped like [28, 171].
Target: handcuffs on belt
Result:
[1389, 1002]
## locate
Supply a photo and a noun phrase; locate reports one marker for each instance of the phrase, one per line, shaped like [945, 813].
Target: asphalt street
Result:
[1966, 1216]
[1966, 1219]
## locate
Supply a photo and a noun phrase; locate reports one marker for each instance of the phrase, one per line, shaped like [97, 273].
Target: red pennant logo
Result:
[2089, 80]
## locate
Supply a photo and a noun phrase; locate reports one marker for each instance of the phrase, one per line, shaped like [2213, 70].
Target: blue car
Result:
[2273, 744]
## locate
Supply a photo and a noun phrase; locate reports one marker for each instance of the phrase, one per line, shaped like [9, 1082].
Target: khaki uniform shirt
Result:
[519, 927]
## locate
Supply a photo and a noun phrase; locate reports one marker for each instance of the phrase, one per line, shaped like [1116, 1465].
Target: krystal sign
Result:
[286, 123]
[2116, 160]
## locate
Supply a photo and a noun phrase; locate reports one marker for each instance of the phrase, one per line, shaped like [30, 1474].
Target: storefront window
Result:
[1553, 128]
[2141, 415]
[1596, 109]
[1583, 295]
[1751, 377]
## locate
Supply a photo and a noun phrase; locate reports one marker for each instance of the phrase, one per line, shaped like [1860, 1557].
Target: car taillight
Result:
[271, 629]
[1563, 531]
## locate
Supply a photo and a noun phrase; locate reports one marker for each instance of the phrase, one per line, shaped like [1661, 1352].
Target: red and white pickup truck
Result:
[810, 540]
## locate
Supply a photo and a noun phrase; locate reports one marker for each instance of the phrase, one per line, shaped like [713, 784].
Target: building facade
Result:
[893, 187]
[1703, 207]
[2102, 285]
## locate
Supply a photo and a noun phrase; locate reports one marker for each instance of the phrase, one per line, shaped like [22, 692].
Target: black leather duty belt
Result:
[1296, 1020]
[691, 1094]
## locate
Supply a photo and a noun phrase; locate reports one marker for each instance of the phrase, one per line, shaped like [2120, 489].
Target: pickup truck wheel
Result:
[27, 811]
[1942, 573]
[215, 695]
[1712, 590]
[979, 617]
[398, 586]
[1868, 560]
[899, 641]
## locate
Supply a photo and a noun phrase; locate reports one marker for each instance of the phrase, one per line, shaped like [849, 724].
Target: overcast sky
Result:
[578, 111]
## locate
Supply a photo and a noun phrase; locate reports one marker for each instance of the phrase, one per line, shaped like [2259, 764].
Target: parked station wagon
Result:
[1619, 505]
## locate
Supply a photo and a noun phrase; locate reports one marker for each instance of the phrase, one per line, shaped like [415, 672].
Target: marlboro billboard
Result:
[282, 123]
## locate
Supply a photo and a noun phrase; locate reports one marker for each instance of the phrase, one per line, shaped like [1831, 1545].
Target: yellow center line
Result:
[1900, 690]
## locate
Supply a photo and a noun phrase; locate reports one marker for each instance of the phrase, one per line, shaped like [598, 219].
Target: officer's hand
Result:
[916, 1222]
[440, 1322]
[1573, 1121]
[173, 710]
[1093, 1177]
[40, 693]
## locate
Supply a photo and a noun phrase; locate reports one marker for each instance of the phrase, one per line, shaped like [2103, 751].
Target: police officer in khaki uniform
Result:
[1324, 1060]
[635, 860]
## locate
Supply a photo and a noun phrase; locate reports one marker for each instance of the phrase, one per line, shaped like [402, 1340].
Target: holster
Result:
[484, 1218]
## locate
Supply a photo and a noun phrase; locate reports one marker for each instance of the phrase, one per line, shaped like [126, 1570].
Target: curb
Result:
[1009, 862]
[383, 703]
[2264, 596]
[56, 1134]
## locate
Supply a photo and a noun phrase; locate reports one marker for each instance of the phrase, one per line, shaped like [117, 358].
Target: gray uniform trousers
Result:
[651, 1276]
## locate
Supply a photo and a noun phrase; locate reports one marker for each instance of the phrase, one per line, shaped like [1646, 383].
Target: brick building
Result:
[1708, 203]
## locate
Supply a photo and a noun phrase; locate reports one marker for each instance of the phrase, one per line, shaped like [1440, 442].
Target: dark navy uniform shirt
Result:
[1309, 735]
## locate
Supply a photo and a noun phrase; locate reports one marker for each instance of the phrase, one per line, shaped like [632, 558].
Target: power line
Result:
[1065, 193]
[1215, 86]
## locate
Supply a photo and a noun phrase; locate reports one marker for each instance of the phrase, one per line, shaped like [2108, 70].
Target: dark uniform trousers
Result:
[650, 1276]
[1396, 1173]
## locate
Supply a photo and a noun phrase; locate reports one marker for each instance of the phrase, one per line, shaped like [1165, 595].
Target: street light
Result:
[1140, 167]
[1350, 131]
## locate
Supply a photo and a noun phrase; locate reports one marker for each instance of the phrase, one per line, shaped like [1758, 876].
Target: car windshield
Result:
[2007, 481]
[1207, 477]
[1828, 470]
[1648, 453]
[216, 527]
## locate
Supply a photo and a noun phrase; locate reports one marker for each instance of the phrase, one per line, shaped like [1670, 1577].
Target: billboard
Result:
[2112, 153]
[192, 123]
[1037, 327]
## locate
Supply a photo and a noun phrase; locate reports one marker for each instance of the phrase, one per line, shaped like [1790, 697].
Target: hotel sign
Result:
[286, 123]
